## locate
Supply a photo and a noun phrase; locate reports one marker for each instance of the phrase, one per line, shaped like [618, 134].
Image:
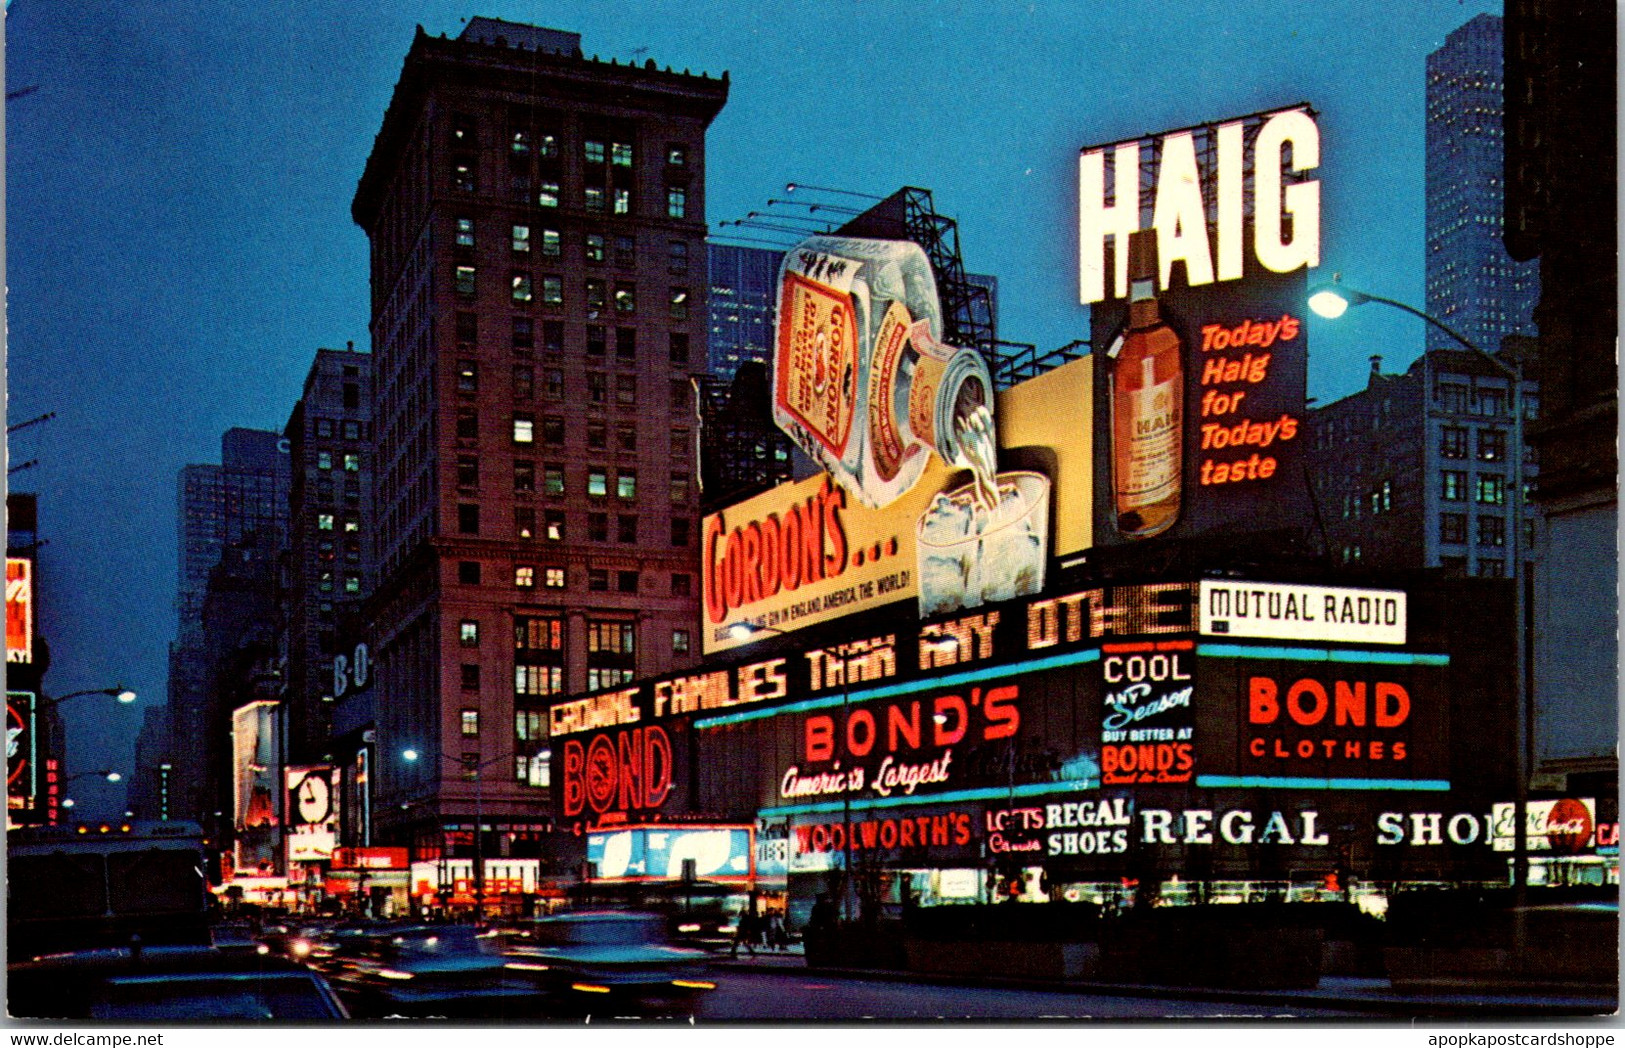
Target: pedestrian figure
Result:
[747, 930]
[777, 937]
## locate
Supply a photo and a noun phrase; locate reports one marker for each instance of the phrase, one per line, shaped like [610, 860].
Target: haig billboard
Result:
[1199, 413]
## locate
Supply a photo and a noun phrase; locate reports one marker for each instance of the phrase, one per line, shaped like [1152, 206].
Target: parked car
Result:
[170, 983]
[613, 962]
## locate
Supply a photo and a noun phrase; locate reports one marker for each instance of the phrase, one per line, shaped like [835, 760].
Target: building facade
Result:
[329, 572]
[1562, 214]
[1416, 470]
[538, 251]
[1473, 285]
[743, 282]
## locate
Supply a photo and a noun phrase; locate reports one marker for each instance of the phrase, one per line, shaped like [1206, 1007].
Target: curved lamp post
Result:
[473, 769]
[1331, 301]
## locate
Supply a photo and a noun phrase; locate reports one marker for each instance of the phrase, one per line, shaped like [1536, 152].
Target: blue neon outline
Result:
[981, 793]
[1393, 658]
[1290, 782]
[886, 691]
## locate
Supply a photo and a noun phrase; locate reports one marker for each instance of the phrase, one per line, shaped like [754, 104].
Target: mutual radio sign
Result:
[1294, 612]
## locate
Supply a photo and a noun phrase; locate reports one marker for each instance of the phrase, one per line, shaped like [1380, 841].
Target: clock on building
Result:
[315, 799]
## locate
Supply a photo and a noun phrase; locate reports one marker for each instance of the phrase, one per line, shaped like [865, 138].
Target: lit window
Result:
[552, 290]
[622, 203]
[595, 247]
[324, 460]
[597, 482]
[596, 295]
[521, 287]
[626, 485]
[679, 487]
[554, 529]
[594, 151]
[679, 642]
[547, 195]
[620, 154]
[1454, 488]
[352, 584]
[552, 242]
[524, 576]
[471, 722]
[679, 303]
[554, 578]
[324, 522]
[524, 521]
[676, 202]
[465, 280]
[626, 298]
[468, 633]
[465, 232]
[676, 156]
[1491, 490]
[521, 238]
[547, 145]
[593, 198]
[524, 429]
[553, 479]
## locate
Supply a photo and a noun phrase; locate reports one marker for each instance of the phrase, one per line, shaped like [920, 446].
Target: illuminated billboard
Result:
[1199, 411]
[256, 796]
[19, 610]
[719, 853]
[311, 803]
[811, 551]
[1231, 608]
[22, 754]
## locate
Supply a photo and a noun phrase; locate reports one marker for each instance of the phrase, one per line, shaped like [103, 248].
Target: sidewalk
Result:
[1342, 992]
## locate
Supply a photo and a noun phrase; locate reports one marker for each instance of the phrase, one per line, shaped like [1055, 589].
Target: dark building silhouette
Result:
[538, 281]
[1562, 186]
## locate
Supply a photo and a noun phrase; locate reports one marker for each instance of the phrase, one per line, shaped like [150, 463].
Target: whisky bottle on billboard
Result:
[1147, 406]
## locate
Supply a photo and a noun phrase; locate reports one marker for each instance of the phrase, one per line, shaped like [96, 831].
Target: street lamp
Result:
[1332, 301]
[472, 766]
[124, 695]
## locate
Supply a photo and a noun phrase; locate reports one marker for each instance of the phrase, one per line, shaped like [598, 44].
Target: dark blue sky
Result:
[179, 238]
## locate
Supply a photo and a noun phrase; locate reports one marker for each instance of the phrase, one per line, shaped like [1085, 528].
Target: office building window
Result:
[1492, 568]
[595, 247]
[679, 348]
[597, 580]
[524, 521]
[464, 280]
[1453, 442]
[471, 676]
[593, 150]
[677, 257]
[679, 642]
[682, 584]
[553, 336]
[467, 329]
[626, 581]
[597, 294]
[597, 341]
[676, 202]
[626, 484]
[352, 462]
[626, 343]
[468, 572]
[625, 251]
[552, 430]
[524, 333]
[1453, 396]
[547, 194]
[620, 154]
[626, 438]
[1492, 531]
[598, 482]
[524, 576]
[1455, 486]
[593, 198]
[468, 471]
[471, 722]
[626, 298]
[676, 156]
[538, 680]
[468, 518]
[598, 527]
[468, 423]
[553, 525]
[552, 290]
[621, 201]
[553, 384]
[626, 389]
[524, 428]
[1492, 490]
[553, 479]
[626, 528]
[521, 239]
[679, 487]
[597, 434]
[524, 476]
[465, 232]
[1492, 445]
[324, 522]
[679, 531]
[1453, 527]
[679, 303]
[524, 382]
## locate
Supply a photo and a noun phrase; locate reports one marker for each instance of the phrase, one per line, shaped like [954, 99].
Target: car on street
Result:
[612, 962]
[433, 971]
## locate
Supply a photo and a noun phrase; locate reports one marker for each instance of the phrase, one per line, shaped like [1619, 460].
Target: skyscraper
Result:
[1473, 285]
[538, 236]
[240, 507]
[743, 281]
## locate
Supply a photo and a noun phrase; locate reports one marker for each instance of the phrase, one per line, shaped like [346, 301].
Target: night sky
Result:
[179, 238]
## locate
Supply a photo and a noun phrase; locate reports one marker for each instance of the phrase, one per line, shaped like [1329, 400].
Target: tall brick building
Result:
[538, 311]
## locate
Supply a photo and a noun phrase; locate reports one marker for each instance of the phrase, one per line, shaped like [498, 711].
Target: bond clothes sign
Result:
[1300, 612]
